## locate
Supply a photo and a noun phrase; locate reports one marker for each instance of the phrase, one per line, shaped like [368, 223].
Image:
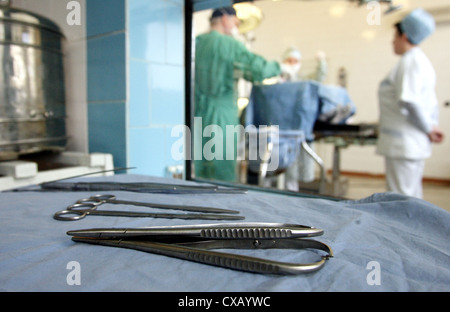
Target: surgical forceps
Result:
[76, 211]
[140, 187]
[193, 242]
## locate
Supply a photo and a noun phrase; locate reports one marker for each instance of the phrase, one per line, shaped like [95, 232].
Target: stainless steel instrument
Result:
[32, 92]
[193, 242]
[88, 206]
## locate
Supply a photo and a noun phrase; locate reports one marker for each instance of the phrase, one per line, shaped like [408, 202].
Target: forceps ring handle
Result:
[96, 199]
[73, 212]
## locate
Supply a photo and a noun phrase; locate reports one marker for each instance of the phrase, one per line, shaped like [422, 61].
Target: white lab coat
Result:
[400, 139]
[413, 81]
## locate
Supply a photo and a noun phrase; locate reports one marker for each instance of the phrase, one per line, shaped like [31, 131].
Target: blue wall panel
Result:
[135, 80]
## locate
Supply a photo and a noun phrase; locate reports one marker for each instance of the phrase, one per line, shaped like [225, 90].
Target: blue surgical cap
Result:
[223, 11]
[418, 25]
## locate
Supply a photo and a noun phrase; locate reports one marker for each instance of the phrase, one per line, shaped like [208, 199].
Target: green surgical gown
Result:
[219, 61]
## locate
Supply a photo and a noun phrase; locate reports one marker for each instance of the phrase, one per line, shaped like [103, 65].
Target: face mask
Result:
[296, 67]
[234, 32]
[290, 71]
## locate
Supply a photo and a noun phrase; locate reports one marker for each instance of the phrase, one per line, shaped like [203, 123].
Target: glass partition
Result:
[251, 113]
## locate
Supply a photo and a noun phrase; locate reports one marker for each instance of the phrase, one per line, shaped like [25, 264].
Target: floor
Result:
[434, 192]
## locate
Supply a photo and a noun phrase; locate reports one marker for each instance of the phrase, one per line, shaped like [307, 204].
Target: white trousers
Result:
[404, 176]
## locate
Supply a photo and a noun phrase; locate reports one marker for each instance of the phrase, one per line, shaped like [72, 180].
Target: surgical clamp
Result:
[193, 243]
[140, 187]
[76, 211]
[111, 199]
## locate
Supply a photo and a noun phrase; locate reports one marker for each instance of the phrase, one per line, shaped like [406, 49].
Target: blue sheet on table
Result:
[407, 237]
[297, 105]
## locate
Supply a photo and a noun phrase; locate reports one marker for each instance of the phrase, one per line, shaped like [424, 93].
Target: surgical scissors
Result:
[111, 199]
[88, 206]
[193, 242]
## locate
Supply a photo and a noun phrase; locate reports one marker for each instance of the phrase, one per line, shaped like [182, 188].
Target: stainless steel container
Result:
[32, 94]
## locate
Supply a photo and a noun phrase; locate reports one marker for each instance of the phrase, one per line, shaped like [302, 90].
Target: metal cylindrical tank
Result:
[32, 94]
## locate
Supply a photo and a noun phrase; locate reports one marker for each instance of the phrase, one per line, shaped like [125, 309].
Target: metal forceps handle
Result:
[199, 252]
[215, 231]
[189, 251]
[196, 243]
[75, 212]
[111, 199]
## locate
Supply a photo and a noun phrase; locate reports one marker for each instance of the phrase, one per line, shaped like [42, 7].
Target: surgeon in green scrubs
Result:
[219, 61]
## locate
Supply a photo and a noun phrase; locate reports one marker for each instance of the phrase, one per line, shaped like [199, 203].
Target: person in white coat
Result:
[408, 108]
